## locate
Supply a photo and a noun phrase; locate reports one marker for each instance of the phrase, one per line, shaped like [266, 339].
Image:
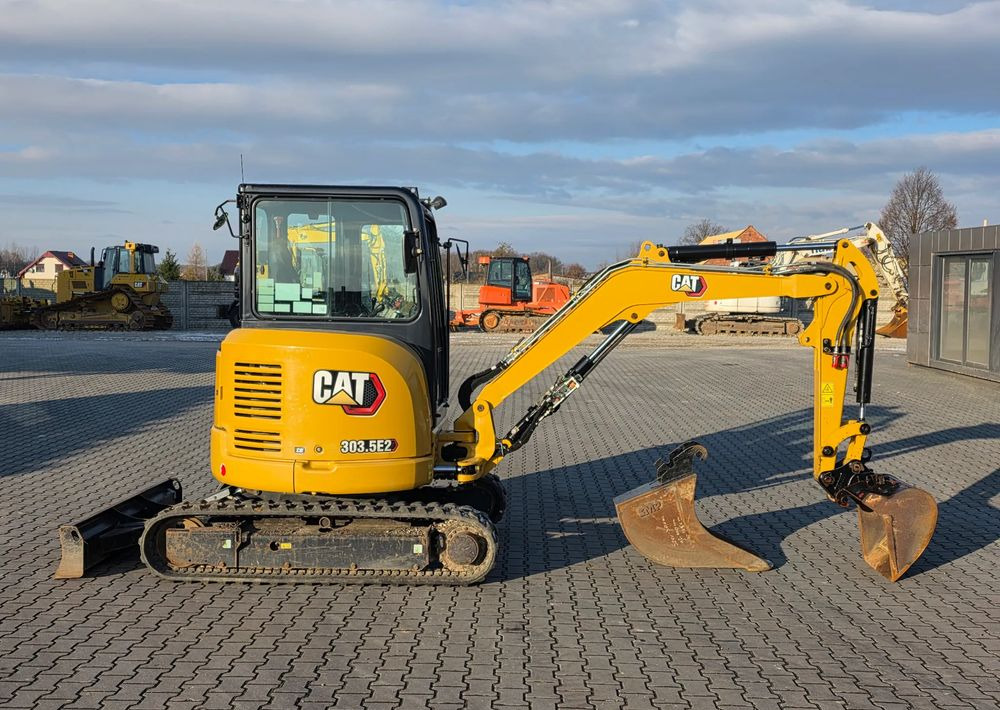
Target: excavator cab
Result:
[510, 278]
[353, 261]
[131, 258]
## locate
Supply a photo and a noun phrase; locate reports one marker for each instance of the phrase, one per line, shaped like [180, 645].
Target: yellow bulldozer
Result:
[331, 438]
[121, 292]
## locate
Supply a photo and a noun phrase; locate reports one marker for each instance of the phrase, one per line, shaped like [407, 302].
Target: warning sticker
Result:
[826, 395]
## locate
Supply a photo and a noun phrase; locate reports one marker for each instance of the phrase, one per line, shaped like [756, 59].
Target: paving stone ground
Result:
[571, 617]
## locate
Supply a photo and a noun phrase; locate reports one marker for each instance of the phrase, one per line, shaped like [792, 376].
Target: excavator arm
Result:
[845, 293]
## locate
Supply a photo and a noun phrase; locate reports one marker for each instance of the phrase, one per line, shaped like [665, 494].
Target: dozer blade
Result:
[896, 529]
[95, 538]
[659, 519]
[896, 328]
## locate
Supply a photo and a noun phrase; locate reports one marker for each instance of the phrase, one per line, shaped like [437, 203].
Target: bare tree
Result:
[197, 265]
[504, 249]
[15, 257]
[916, 205]
[694, 233]
[540, 262]
[629, 250]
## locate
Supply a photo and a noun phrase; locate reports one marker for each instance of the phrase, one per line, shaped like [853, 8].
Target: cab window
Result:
[332, 259]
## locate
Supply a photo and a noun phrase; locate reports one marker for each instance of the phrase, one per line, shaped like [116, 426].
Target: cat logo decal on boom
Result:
[359, 393]
[691, 284]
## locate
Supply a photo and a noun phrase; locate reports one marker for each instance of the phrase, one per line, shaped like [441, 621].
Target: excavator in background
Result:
[121, 292]
[512, 301]
[767, 316]
[309, 244]
[338, 461]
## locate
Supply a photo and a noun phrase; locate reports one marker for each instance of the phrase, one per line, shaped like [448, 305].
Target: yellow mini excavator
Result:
[330, 440]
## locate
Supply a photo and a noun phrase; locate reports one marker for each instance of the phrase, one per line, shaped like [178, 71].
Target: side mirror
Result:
[410, 251]
[463, 259]
[222, 218]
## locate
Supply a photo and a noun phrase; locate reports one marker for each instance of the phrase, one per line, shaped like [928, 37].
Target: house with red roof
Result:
[738, 236]
[50, 264]
[230, 260]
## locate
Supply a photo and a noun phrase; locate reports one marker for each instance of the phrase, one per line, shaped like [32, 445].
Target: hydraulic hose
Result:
[818, 267]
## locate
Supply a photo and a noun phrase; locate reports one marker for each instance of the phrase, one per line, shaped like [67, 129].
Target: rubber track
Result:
[331, 507]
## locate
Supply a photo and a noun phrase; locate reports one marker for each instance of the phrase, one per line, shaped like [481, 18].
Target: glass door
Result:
[977, 336]
[965, 310]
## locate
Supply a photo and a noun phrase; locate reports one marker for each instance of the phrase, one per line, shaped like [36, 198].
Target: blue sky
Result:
[575, 127]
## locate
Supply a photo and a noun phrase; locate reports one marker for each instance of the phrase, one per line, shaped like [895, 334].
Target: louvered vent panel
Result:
[257, 390]
[257, 440]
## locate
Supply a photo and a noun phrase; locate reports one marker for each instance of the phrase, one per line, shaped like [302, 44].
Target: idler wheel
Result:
[462, 546]
[489, 321]
[121, 302]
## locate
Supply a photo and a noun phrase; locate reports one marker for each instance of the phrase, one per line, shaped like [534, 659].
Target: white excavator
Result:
[769, 315]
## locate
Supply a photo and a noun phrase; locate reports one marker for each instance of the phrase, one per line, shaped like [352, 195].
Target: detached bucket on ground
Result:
[660, 521]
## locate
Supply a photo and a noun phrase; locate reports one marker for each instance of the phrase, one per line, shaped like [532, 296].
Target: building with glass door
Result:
[954, 309]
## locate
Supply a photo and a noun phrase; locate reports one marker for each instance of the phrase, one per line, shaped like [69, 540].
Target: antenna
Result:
[243, 177]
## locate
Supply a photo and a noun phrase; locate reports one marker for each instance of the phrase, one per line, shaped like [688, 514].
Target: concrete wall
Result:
[194, 304]
[925, 250]
[12, 287]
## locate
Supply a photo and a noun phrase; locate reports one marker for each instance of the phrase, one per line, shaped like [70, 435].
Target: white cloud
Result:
[522, 71]
[422, 92]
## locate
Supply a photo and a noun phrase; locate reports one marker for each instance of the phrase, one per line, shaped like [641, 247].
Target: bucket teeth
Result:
[660, 521]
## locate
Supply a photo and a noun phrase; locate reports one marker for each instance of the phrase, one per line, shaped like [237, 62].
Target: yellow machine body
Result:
[273, 431]
[327, 431]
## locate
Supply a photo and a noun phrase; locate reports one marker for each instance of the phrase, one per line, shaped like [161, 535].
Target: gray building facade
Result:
[954, 308]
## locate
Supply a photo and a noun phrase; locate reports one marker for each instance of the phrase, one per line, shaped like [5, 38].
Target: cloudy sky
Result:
[576, 126]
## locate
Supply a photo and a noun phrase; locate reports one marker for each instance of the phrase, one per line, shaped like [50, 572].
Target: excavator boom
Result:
[845, 293]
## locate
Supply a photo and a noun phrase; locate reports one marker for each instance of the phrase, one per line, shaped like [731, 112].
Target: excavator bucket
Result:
[896, 529]
[896, 328]
[115, 528]
[660, 521]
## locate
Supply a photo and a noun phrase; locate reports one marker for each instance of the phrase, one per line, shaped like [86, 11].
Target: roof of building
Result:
[67, 258]
[749, 231]
[230, 260]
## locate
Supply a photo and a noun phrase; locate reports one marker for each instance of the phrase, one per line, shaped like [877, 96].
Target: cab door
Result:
[522, 282]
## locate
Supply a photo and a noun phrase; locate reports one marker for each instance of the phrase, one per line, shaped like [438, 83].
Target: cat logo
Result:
[359, 393]
[691, 284]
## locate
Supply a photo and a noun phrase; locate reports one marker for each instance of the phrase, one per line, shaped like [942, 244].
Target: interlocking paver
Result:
[571, 617]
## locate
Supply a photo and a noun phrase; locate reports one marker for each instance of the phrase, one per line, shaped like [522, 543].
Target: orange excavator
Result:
[511, 301]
